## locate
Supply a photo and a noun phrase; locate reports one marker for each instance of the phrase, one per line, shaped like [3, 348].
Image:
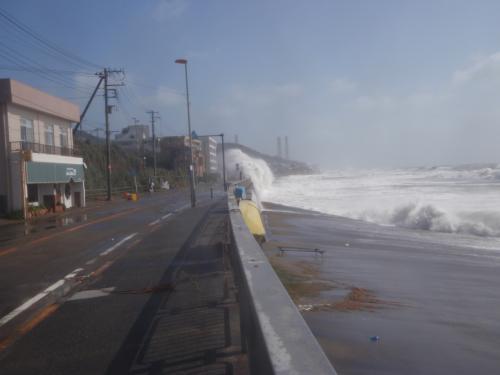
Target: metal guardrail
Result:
[42, 148]
[274, 333]
[102, 192]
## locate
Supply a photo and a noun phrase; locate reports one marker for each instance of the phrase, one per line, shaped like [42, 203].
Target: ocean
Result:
[452, 199]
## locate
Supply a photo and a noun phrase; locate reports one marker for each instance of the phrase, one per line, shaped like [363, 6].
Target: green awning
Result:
[43, 173]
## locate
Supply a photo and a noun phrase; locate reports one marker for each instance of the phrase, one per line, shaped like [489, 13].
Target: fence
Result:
[96, 194]
[42, 148]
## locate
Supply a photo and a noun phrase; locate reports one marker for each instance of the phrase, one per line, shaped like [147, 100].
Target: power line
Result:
[27, 30]
[45, 70]
[18, 58]
[25, 41]
[46, 76]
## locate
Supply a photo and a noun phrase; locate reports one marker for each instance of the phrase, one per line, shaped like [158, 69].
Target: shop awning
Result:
[44, 173]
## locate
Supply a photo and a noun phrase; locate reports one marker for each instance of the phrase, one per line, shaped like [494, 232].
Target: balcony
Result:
[43, 149]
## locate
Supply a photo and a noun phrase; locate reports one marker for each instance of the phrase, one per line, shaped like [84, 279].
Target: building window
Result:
[63, 136]
[49, 135]
[27, 131]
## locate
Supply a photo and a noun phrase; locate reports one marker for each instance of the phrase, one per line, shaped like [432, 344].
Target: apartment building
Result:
[209, 149]
[38, 163]
[176, 150]
[134, 137]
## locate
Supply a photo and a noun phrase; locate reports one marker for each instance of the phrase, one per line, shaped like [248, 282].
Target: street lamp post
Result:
[191, 165]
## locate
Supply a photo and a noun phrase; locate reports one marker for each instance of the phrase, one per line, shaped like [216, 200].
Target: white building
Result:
[38, 164]
[133, 136]
[209, 147]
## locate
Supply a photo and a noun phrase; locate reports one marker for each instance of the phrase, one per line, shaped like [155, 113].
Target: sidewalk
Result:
[194, 328]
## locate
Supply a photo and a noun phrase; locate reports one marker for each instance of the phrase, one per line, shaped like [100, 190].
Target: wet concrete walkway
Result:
[194, 328]
[166, 304]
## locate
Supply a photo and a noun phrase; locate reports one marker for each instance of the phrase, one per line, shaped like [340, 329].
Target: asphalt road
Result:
[106, 295]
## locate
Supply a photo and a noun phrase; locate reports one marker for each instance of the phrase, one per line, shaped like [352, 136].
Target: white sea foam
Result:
[256, 169]
[452, 199]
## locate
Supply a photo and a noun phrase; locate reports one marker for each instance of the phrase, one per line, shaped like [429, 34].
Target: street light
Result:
[191, 166]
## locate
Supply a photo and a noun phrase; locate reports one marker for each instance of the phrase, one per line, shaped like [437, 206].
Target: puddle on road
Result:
[13, 231]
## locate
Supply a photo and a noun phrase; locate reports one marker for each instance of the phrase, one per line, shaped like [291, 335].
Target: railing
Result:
[101, 193]
[274, 334]
[42, 148]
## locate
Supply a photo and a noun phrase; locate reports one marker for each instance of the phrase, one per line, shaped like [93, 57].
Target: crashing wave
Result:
[256, 169]
[428, 217]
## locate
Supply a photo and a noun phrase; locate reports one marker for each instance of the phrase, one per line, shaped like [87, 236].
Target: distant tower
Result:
[286, 148]
[279, 147]
[236, 139]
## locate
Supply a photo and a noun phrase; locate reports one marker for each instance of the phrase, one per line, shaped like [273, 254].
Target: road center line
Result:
[154, 222]
[165, 216]
[26, 305]
[116, 245]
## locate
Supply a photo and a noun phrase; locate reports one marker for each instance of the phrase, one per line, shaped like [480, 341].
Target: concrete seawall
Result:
[275, 335]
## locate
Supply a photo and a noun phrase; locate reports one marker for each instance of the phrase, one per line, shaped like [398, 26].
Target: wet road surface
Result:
[139, 289]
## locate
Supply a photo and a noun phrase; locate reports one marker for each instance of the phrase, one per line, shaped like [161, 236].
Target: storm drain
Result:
[184, 337]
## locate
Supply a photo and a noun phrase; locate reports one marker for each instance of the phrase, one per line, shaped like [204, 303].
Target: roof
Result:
[15, 92]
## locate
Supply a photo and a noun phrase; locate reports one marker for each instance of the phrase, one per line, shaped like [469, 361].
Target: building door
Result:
[78, 198]
[49, 202]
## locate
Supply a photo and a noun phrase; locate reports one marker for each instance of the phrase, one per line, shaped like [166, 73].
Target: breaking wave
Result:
[428, 217]
[461, 199]
[256, 169]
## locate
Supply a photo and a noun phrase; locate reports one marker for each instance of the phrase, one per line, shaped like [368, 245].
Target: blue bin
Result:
[239, 192]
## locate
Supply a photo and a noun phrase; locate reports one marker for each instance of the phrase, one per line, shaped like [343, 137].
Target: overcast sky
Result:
[351, 83]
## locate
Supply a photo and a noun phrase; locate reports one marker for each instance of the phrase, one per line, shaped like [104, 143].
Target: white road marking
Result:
[154, 222]
[95, 293]
[54, 286]
[165, 216]
[26, 305]
[73, 273]
[116, 245]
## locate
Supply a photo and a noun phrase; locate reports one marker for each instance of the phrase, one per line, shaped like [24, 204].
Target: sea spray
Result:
[256, 169]
[450, 199]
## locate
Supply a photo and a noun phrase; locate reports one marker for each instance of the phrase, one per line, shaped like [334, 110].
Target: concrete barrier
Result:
[274, 334]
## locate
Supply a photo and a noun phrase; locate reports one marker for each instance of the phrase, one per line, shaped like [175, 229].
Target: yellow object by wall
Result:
[252, 218]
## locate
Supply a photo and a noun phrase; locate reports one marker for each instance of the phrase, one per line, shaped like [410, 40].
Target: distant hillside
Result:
[125, 163]
[279, 166]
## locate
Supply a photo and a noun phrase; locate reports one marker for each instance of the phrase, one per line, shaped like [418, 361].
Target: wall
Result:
[15, 200]
[275, 335]
[15, 113]
[4, 166]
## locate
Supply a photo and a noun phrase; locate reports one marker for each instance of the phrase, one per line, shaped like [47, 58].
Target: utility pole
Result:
[108, 143]
[154, 116]
[107, 110]
[223, 163]
[191, 166]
